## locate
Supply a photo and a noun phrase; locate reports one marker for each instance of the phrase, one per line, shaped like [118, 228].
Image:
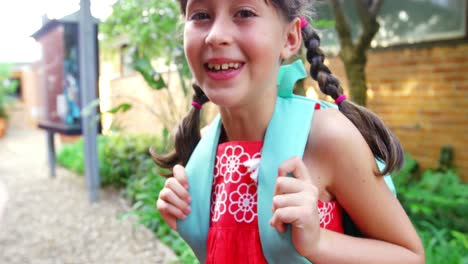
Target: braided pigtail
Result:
[384, 145]
[187, 136]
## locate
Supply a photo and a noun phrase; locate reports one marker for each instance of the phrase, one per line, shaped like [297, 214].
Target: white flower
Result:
[325, 213]
[230, 163]
[216, 170]
[218, 202]
[243, 203]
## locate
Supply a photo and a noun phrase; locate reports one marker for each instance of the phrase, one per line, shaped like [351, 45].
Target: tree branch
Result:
[367, 12]
[342, 27]
[368, 9]
[375, 7]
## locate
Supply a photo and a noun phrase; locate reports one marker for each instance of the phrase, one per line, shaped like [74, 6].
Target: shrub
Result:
[143, 191]
[437, 203]
[124, 162]
[120, 157]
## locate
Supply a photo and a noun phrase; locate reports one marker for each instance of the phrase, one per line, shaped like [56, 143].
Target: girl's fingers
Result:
[291, 200]
[287, 184]
[295, 197]
[180, 176]
[168, 196]
[283, 216]
[170, 213]
[174, 185]
[296, 166]
[173, 201]
[290, 191]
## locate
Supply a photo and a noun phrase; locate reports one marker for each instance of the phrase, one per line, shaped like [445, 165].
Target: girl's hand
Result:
[295, 202]
[174, 199]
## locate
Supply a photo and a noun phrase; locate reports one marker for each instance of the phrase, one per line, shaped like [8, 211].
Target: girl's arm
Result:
[390, 236]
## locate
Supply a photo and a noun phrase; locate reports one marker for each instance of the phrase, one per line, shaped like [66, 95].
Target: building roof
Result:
[52, 23]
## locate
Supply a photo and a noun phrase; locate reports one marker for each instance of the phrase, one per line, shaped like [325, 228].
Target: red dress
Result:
[233, 236]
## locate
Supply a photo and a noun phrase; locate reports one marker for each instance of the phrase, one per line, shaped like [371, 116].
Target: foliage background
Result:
[7, 88]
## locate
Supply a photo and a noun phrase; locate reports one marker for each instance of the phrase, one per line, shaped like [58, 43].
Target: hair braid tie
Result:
[197, 105]
[199, 96]
[304, 22]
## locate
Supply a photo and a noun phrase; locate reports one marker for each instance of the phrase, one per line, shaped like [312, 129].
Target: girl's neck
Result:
[248, 123]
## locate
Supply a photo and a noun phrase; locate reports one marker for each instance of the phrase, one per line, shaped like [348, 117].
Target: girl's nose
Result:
[219, 34]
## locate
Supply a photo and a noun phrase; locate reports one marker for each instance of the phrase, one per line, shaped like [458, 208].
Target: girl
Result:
[250, 186]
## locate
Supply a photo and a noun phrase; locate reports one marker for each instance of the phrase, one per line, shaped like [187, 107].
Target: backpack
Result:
[292, 112]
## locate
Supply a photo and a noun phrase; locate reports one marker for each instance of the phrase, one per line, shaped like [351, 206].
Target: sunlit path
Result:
[51, 221]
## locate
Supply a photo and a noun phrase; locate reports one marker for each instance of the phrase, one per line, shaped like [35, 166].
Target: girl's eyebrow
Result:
[192, 2]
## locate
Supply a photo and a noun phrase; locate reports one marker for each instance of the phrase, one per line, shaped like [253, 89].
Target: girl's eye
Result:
[245, 13]
[200, 16]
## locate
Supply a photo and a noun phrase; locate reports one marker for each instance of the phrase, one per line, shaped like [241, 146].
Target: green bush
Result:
[124, 162]
[437, 203]
[7, 88]
[143, 190]
[120, 157]
[71, 156]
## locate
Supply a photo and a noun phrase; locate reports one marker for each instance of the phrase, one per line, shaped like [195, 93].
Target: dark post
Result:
[88, 94]
[51, 153]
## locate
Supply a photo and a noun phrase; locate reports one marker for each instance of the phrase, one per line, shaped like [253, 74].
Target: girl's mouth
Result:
[223, 66]
[223, 71]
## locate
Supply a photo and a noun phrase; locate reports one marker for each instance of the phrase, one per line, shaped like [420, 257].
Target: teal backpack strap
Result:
[199, 170]
[286, 137]
[288, 76]
[387, 177]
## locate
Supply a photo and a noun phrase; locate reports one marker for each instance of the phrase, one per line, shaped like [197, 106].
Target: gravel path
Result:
[49, 220]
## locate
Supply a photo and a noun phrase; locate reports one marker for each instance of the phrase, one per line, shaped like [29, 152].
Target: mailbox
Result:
[60, 83]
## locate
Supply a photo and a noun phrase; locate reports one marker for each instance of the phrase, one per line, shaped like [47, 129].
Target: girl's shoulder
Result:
[338, 141]
[329, 127]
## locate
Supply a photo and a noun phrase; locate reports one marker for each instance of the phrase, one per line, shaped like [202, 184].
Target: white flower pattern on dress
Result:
[216, 171]
[326, 213]
[218, 202]
[243, 203]
[230, 163]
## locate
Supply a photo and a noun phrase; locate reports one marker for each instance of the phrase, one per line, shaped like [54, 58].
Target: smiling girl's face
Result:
[234, 48]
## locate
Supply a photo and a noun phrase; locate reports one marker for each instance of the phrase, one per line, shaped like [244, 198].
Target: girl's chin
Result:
[226, 101]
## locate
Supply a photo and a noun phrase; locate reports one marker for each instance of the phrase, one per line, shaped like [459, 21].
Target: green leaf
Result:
[123, 107]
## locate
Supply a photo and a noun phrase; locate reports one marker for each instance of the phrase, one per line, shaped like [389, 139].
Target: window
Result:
[401, 22]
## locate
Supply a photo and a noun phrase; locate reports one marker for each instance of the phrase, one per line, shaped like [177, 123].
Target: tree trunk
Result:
[354, 55]
[356, 73]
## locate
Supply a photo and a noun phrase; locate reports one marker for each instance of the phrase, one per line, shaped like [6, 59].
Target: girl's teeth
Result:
[224, 66]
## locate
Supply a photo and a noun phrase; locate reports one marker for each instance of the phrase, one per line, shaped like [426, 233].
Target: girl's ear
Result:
[293, 39]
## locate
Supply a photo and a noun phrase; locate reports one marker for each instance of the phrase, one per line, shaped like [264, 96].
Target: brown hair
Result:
[384, 145]
[187, 136]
